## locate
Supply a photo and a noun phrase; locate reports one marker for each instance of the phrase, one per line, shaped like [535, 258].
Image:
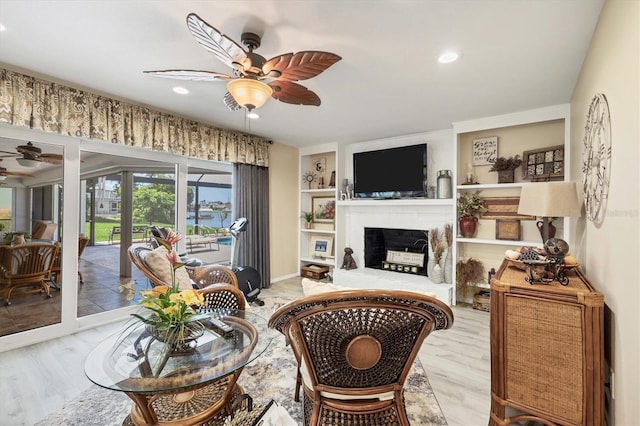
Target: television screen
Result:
[390, 173]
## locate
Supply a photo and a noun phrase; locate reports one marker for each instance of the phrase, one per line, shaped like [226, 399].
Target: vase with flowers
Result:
[172, 319]
[469, 206]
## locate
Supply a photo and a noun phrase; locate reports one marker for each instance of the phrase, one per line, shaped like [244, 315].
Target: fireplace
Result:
[377, 241]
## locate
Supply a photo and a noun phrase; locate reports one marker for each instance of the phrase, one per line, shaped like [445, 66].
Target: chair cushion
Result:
[156, 260]
[306, 379]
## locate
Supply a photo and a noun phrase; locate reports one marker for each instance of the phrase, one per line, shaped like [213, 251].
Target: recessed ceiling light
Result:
[180, 90]
[253, 115]
[448, 57]
[3, 28]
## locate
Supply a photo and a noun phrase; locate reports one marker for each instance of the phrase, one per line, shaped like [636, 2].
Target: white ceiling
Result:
[516, 55]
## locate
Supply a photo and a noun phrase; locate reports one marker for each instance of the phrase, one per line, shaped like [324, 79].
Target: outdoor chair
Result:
[355, 349]
[26, 265]
[212, 274]
[43, 230]
[57, 262]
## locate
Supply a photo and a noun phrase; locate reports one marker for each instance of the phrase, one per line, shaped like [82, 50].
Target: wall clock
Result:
[596, 157]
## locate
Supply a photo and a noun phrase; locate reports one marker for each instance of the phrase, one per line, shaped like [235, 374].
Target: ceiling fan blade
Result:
[225, 49]
[293, 93]
[55, 159]
[230, 102]
[194, 75]
[299, 66]
[8, 173]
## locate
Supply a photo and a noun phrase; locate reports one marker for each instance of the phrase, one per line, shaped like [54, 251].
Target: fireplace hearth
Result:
[377, 241]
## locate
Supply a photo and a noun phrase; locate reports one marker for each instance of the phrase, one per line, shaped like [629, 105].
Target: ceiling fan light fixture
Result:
[28, 162]
[253, 115]
[249, 93]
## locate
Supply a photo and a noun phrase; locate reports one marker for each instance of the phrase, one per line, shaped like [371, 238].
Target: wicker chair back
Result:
[358, 347]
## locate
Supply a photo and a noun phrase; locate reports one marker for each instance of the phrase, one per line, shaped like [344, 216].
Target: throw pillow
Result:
[156, 260]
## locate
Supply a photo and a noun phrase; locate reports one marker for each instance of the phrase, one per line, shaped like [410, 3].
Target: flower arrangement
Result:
[172, 310]
[470, 204]
[504, 163]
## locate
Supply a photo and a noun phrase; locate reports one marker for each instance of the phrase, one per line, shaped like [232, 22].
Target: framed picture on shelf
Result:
[324, 209]
[485, 151]
[503, 208]
[507, 229]
[321, 246]
[543, 164]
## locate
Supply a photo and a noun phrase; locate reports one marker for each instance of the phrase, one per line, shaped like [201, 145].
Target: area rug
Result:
[271, 376]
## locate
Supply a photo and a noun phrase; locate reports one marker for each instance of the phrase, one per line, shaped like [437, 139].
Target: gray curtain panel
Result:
[251, 200]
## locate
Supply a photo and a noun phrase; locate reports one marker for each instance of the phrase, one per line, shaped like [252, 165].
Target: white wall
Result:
[610, 252]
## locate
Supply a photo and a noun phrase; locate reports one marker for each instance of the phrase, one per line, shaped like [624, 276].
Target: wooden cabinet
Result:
[546, 350]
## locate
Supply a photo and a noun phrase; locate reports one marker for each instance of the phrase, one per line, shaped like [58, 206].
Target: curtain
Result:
[253, 203]
[50, 107]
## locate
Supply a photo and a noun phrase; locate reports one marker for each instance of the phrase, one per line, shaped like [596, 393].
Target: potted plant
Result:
[505, 168]
[468, 272]
[308, 219]
[470, 205]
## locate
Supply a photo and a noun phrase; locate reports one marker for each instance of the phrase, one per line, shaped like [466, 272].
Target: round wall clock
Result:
[596, 157]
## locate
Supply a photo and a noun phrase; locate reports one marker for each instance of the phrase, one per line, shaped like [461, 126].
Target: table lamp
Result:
[549, 199]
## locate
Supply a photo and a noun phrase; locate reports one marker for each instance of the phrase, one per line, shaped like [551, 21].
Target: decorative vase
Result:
[308, 225]
[436, 276]
[506, 176]
[468, 226]
[447, 266]
[192, 331]
[431, 262]
[17, 240]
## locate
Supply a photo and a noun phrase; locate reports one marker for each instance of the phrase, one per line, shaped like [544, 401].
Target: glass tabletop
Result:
[133, 360]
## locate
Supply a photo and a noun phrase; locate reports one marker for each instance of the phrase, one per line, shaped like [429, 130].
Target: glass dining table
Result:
[185, 386]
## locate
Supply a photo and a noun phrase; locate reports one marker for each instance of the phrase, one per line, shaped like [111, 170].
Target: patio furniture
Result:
[355, 349]
[43, 230]
[55, 269]
[26, 265]
[141, 231]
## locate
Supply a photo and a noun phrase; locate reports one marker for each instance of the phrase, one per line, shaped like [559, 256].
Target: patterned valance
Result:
[50, 107]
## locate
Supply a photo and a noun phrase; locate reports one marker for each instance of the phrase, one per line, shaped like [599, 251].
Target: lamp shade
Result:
[549, 199]
[249, 93]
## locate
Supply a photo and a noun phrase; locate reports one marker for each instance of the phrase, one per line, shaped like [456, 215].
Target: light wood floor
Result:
[37, 380]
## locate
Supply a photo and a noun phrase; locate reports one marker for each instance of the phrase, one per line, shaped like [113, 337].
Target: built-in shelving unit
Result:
[322, 161]
[519, 132]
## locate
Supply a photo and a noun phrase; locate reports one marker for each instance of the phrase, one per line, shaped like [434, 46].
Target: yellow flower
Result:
[175, 297]
[171, 310]
[191, 297]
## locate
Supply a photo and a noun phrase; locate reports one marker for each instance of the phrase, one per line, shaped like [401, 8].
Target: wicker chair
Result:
[355, 349]
[204, 276]
[27, 265]
[55, 269]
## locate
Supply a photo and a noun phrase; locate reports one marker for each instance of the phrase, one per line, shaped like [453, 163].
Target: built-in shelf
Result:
[323, 190]
[318, 231]
[399, 202]
[499, 242]
[491, 186]
[318, 261]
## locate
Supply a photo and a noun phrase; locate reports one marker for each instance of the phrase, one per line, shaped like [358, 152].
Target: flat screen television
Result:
[390, 173]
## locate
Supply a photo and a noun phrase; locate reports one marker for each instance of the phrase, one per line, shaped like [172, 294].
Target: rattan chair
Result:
[57, 262]
[204, 276]
[355, 349]
[26, 265]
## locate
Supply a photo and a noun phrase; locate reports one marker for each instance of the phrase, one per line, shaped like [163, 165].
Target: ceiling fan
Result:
[255, 78]
[4, 173]
[30, 155]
